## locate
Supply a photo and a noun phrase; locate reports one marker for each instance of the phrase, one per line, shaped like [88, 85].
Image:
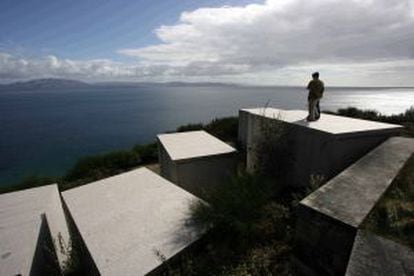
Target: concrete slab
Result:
[196, 161]
[18, 208]
[373, 255]
[18, 244]
[324, 147]
[328, 219]
[125, 219]
[192, 144]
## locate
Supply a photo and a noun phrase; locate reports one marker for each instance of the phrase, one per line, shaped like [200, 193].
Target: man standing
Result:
[316, 88]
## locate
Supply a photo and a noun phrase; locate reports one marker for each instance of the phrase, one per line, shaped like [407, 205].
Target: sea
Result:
[44, 131]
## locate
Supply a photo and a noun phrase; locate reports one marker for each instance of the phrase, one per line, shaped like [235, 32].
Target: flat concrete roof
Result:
[192, 144]
[18, 245]
[125, 219]
[351, 195]
[17, 208]
[373, 255]
[332, 124]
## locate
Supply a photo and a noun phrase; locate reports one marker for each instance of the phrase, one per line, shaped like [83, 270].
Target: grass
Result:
[249, 230]
[393, 216]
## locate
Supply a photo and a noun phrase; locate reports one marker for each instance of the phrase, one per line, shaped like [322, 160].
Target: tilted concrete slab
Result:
[125, 219]
[373, 255]
[324, 147]
[21, 207]
[196, 161]
[328, 218]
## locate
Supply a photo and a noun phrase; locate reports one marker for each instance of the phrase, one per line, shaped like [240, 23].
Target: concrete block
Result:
[324, 147]
[18, 246]
[373, 255]
[126, 219]
[328, 219]
[21, 207]
[196, 160]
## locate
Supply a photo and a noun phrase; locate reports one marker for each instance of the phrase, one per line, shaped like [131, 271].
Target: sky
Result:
[261, 42]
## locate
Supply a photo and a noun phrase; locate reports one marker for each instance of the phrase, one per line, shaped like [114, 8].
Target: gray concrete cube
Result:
[130, 222]
[196, 161]
[324, 147]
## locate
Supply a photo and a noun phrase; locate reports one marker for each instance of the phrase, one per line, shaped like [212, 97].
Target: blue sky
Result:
[88, 29]
[364, 42]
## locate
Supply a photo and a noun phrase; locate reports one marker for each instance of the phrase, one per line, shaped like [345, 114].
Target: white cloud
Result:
[14, 68]
[366, 42]
[282, 34]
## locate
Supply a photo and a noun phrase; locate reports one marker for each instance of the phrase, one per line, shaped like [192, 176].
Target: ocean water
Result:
[46, 131]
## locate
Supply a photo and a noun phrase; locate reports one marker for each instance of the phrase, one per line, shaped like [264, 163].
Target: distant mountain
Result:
[163, 84]
[44, 84]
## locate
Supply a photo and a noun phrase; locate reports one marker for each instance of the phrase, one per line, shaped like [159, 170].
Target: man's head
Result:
[315, 75]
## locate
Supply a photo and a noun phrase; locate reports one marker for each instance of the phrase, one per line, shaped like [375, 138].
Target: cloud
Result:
[13, 67]
[365, 42]
[280, 34]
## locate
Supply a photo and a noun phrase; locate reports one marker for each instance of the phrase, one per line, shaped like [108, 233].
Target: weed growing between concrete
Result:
[71, 263]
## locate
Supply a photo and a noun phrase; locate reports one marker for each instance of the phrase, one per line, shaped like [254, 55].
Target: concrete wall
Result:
[329, 218]
[167, 166]
[322, 244]
[199, 176]
[243, 127]
[327, 155]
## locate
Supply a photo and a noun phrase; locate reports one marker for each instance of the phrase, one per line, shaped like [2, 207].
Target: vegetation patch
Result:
[224, 128]
[393, 216]
[406, 118]
[249, 232]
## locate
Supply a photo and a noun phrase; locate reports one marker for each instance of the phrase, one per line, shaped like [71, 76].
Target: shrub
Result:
[393, 216]
[358, 113]
[249, 233]
[190, 127]
[30, 181]
[224, 128]
[148, 153]
[235, 209]
[96, 167]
